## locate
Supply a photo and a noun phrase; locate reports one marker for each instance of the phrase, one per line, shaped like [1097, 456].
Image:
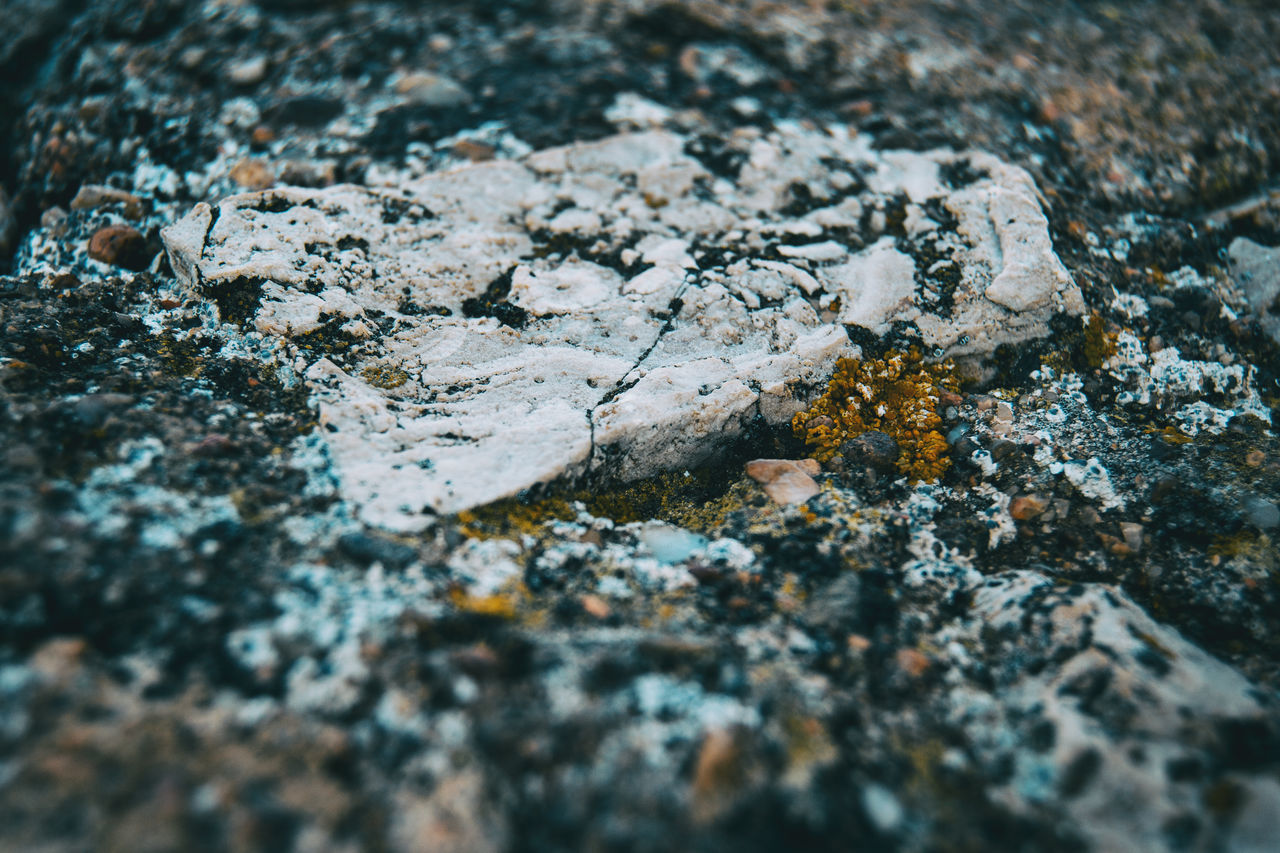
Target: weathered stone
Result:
[786, 481]
[119, 245]
[645, 349]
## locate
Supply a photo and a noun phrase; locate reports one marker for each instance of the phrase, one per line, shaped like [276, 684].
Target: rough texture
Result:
[214, 637]
[687, 305]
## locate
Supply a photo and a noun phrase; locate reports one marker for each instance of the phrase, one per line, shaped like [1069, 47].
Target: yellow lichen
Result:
[897, 395]
[383, 376]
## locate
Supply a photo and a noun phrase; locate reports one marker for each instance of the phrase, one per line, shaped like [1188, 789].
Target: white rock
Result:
[624, 368]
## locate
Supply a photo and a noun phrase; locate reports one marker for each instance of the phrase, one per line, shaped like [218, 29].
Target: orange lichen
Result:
[897, 395]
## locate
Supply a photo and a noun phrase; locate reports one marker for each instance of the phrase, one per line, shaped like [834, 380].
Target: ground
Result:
[1033, 608]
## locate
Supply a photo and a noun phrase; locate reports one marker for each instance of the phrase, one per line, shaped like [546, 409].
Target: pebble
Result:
[873, 449]
[248, 72]
[53, 217]
[96, 195]
[120, 246]
[252, 174]
[595, 606]
[671, 544]
[1261, 513]
[1001, 448]
[1132, 534]
[786, 481]
[432, 90]
[1026, 507]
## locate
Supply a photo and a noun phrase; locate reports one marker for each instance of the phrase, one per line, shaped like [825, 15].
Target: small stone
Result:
[595, 606]
[96, 195]
[767, 470]
[367, 549]
[248, 72]
[1254, 458]
[1026, 507]
[252, 174]
[262, 135]
[882, 807]
[716, 774]
[786, 481]
[1002, 448]
[432, 90]
[1132, 533]
[670, 544]
[873, 449]
[53, 217]
[476, 152]
[1260, 512]
[120, 246]
[912, 662]
[214, 444]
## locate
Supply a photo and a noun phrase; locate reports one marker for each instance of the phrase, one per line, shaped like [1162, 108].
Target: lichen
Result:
[898, 395]
[384, 376]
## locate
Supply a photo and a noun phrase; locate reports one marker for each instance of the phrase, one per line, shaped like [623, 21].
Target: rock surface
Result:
[690, 304]
[367, 229]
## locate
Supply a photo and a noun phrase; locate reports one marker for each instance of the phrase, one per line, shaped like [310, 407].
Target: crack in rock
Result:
[428, 411]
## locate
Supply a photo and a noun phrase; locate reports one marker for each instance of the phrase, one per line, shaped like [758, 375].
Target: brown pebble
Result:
[768, 470]
[596, 606]
[94, 195]
[476, 152]
[1254, 458]
[120, 246]
[716, 775]
[262, 135]
[949, 398]
[912, 662]
[1026, 507]
[252, 174]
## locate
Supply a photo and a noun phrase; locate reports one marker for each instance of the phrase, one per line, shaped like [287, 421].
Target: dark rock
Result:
[873, 449]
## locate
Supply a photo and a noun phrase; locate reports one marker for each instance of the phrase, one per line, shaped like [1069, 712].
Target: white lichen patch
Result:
[1166, 379]
[612, 306]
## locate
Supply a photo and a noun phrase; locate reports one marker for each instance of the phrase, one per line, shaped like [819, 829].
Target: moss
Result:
[1098, 345]
[699, 500]
[898, 395]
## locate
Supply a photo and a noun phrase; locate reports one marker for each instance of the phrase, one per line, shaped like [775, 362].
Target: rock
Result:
[547, 367]
[1132, 534]
[595, 606]
[872, 449]
[1256, 269]
[786, 481]
[670, 544]
[1121, 685]
[121, 246]
[1027, 507]
[1260, 512]
[253, 174]
[91, 196]
[432, 90]
[248, 72]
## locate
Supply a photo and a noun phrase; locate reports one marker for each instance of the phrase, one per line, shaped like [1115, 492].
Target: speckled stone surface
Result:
[395, 447]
